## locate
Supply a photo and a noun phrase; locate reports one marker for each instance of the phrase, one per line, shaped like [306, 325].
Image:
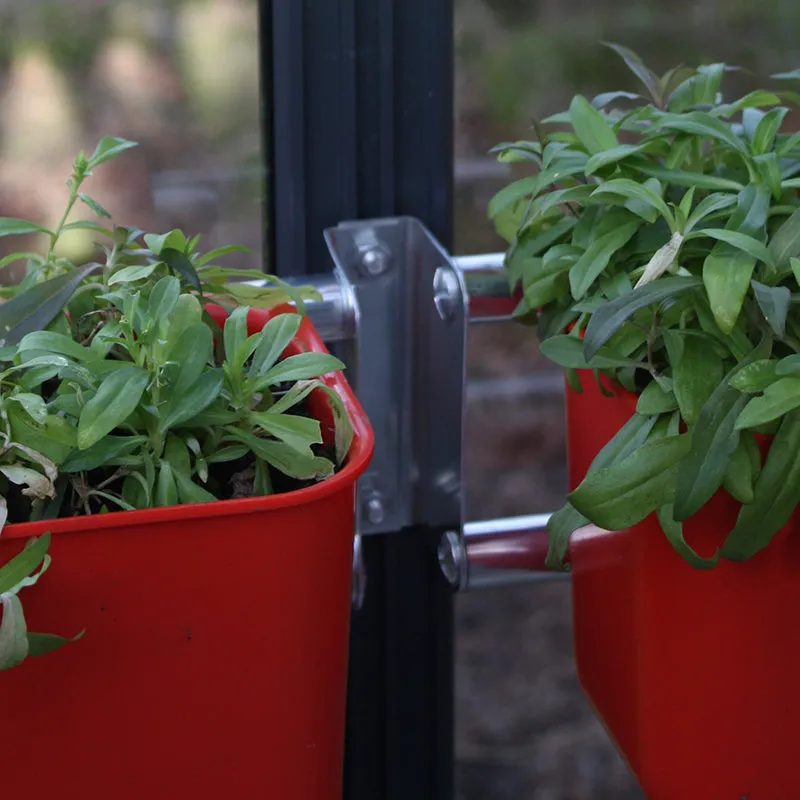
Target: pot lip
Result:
[358, 459]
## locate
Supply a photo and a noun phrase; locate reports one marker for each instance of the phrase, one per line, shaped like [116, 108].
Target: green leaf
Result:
[35, 308]
[623, 187]
[189, 357]
[713, 440]
[779, 398]
[696, 372]
[564, 522]
[789, 365]
[219, 252]
[709, 205]
[612, 156]
[754, 99]
[703, 124]
[301, 367]
[116, 399]
[610, 317]
[673, 530]
[164, 297]
[638, 68]
[343, 427]
[568, 352]
[756, 376]
[166, 487]
[591, 126]
[784, 244]
[39, 342]
[10, 226]
[766, 130]
[180, 263]
[776, 495]
[132, 274]
[190, 492]
[235, 334]
[560, 528]
[33, 405]
[53, 439]
[87, 225]
[768, 167]
[686, 178]
[740, 475]
[13, 632]
[592, 263]
[24, 563]
[101, 453]
[297, 432]
[181, 409]
[40, 644]
[774, 303]
[626, 492]
[284, 458]
[740, 241]
[654, 400]
[107, 148]
[93, 205]
[727, 269]
[275, 337]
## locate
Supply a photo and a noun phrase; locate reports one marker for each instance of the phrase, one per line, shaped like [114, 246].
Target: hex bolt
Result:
[446, 293]
[452, 559]
[375, 261]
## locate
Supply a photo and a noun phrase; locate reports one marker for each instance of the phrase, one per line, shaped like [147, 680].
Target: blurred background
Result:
[182, 78]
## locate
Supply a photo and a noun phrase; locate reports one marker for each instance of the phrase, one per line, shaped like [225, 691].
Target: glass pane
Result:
[180, 77]
[524, 729]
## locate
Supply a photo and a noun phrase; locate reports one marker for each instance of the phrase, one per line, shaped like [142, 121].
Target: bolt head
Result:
[376, 512]
[446, 293]
[451, 558]
[375, 261]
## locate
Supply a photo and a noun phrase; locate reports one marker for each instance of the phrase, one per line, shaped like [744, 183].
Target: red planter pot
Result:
[694, 673]
[215, 656]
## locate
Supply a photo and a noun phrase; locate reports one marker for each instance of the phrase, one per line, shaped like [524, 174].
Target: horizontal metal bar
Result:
[484, 277]
[547, 384]
[487, 286]
[497, 552]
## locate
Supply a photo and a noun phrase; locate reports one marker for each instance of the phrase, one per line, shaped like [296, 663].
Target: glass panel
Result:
[181, 78]
[524, 729]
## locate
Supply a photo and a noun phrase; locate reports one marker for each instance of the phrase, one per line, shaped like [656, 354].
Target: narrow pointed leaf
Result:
[609, 318]
[776, 495]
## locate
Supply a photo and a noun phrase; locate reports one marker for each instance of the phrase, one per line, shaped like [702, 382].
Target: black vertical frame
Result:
[358, 123]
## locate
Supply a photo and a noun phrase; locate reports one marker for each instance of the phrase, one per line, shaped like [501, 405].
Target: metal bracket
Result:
[396, 309]
[407, 361]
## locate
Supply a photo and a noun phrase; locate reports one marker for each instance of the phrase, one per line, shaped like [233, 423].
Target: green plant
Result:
[119, 390]
[658, 242]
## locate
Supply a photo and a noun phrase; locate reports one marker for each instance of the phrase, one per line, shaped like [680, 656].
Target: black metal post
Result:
[360, 116]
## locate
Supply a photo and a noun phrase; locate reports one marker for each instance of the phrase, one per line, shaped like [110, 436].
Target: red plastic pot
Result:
[694, 673]
[214, 662]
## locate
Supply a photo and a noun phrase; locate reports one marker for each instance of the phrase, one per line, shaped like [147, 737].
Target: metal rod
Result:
[487, 287]
[484, 275]
[497, 552]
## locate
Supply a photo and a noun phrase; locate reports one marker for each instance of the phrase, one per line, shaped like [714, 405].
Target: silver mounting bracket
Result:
[407, 359]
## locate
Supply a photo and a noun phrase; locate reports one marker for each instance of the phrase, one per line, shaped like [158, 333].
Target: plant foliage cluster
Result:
[658, 242]
[119, 390]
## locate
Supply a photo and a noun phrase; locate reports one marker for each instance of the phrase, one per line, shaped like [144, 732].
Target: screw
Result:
[375, 261]
[376, 512]
[446, 293]
[452, 560]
